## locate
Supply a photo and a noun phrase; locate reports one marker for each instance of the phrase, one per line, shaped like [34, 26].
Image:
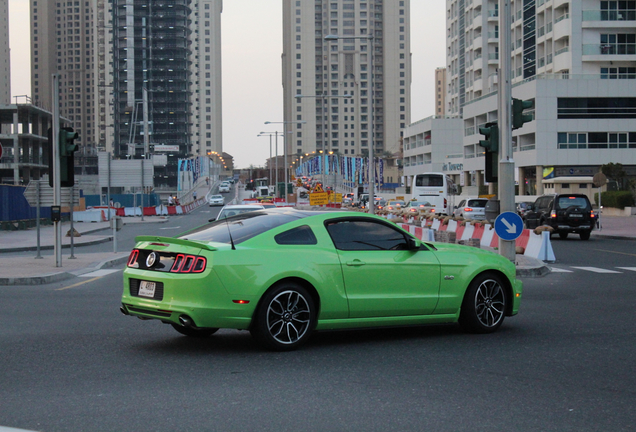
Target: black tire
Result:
[194, 332]
[484, 305]
[563, 235]
[585, 235]
[285, 318]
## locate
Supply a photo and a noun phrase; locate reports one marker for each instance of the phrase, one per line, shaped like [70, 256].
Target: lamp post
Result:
[285, 149]
[325, 137]
[371, 203]
[276, 133]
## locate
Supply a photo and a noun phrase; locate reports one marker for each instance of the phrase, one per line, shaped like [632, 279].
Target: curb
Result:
[58, 277]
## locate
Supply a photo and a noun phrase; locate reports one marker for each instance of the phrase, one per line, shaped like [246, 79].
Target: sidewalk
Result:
[18, 267]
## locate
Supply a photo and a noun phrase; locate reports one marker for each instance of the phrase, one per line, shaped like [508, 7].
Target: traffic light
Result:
[490, 131]
[518, 117]
[67, 148]
[67, 156]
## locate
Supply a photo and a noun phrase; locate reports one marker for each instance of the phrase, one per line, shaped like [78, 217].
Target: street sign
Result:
[318, 198]
[508, 226]
[46, 194]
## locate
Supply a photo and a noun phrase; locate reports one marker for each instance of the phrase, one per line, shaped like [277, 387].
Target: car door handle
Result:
[356, 263]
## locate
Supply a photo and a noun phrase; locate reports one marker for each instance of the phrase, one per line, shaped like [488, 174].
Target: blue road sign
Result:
[508, 226]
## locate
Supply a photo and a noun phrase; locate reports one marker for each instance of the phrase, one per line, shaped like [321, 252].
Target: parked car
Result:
[236, 209]
[566, 213]
[216, 200]
[244, 272]
[471, 208]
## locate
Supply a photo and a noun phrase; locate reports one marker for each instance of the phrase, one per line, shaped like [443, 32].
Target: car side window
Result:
[352, 235]
[302, 235]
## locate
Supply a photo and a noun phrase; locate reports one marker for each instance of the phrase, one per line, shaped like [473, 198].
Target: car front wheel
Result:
[484, 306]
[285, 318]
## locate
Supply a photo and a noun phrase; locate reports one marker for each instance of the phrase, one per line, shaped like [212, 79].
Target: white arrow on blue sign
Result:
[508, 226]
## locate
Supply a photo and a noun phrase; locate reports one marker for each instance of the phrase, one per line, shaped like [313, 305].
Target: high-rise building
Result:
[62, 43]
[207, 128]
[166, 57]
[373, 49]
[440, 91]
[5, 63]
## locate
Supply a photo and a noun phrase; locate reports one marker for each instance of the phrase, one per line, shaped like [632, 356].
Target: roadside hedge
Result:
[616, 199]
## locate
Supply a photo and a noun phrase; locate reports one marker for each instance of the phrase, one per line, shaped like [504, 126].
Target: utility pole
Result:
[506, 180]
[57, 176]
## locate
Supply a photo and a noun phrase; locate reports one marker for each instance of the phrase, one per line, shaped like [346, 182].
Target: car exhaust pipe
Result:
[186, 321]
[123, 310]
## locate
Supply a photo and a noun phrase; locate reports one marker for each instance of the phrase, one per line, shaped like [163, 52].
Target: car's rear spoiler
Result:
[172, 240]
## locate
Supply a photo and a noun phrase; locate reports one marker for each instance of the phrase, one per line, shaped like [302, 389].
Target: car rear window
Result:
[477, 203]
[241, 227]
[572, 201]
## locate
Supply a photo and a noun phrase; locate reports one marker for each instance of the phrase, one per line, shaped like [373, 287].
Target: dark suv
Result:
[566, 213]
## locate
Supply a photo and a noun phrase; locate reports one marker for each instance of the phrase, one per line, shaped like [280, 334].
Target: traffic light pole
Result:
[506, 174]
[57, 185]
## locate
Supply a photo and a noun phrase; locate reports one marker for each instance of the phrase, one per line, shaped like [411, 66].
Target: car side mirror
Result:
[412, 243]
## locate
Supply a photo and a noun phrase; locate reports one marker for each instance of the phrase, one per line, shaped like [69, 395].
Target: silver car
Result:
[471, 208]
[216, 200]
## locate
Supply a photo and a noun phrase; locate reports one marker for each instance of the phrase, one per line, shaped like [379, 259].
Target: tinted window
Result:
[365, 235]
[477, 203]
[242, 227]
[567, 201]
[297, 236]
[429, 180]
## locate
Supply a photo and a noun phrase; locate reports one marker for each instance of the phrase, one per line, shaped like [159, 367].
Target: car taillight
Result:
[592, 215]
[132, 259]
[468, 209]
[553, 214]
[188, 264]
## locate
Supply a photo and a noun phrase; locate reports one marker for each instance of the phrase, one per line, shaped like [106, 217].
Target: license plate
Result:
[147, 289]
[576, 215]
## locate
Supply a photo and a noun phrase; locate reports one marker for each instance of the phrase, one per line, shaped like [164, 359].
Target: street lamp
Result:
[371, 202]
[270, 155]
[285, 148]
[325, 137]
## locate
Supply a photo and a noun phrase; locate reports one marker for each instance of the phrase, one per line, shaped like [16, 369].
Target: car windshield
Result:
[571, 201]
[216, 197]
[477, 203]
[242, 227]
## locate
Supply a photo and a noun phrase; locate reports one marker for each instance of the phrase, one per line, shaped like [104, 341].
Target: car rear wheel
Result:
[484, 306]
[194, 332]
[285, 318]
[585, 235]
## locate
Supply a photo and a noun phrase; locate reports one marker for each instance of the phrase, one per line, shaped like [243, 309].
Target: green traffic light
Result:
[518, 117]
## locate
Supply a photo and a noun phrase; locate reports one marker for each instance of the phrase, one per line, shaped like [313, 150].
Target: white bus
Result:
[436, 188]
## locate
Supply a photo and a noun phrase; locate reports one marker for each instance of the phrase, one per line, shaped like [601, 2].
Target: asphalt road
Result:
[69, 361]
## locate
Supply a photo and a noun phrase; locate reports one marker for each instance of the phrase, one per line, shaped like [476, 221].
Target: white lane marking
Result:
[99, 273]
[560, 270]
[170, 228]
[628, 268]
[596, 270]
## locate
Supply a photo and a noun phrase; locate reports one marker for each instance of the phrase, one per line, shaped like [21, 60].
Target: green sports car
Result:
[283, 273]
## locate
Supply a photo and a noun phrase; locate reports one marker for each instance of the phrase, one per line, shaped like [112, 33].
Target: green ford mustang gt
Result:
[283, 273]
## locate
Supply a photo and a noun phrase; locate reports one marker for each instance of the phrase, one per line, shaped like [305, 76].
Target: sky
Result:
[252, 44]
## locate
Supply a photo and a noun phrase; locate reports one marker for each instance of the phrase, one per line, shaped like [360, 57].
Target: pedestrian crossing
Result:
[572, 269]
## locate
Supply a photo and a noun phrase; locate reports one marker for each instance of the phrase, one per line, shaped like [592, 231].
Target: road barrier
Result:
[534, 244]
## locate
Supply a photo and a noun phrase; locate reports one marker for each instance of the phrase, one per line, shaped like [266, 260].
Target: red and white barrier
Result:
[535, 245]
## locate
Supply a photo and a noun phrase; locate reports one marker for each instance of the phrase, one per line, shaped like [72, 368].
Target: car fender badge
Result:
[151, 259]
